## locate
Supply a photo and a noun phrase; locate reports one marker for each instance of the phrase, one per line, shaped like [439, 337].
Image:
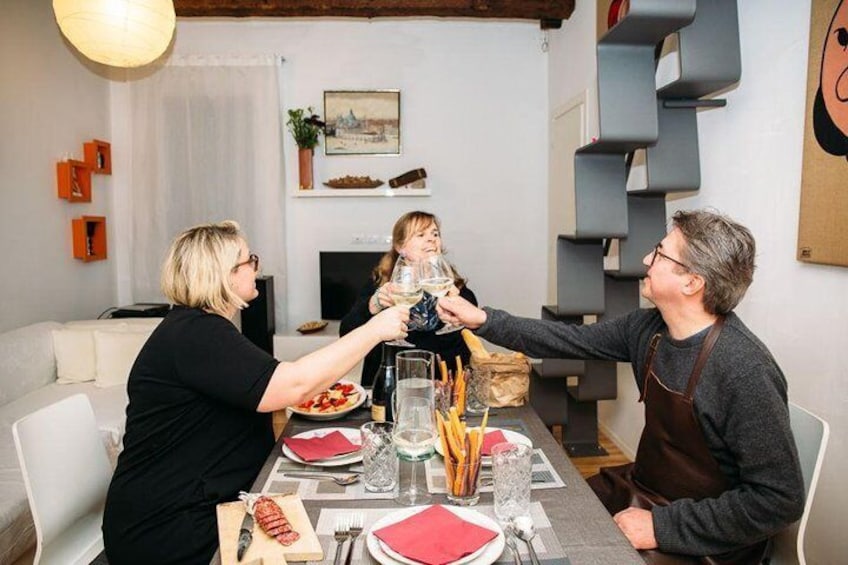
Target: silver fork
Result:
[341, 534]
[509, 534]
[355, 528]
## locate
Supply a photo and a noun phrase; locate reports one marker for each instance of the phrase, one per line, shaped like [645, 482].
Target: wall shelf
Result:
[89, 238]
[355, 192]
[98, 156]
[74, 180]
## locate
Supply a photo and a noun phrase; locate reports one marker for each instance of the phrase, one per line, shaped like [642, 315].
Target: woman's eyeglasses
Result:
[252, 260]
[657, 252]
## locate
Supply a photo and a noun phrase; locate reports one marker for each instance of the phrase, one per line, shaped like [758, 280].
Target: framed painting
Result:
[362, 122]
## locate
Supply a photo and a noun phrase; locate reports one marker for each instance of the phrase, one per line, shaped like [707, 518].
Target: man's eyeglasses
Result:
[659, 253]
[253, 260]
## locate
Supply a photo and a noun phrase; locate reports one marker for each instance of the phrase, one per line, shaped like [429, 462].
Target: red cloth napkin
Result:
[315, 448]
[490, 440]
[435, 536]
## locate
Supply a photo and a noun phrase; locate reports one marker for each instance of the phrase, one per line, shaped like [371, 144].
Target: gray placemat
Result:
[545, 543]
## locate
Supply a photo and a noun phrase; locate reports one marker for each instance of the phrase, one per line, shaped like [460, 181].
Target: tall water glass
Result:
[511, 469]
[415, 438]
[415, 376]
[378, 456]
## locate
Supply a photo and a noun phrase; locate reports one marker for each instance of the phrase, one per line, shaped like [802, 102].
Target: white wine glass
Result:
[415, 439]
[405, 289]
[437, 279]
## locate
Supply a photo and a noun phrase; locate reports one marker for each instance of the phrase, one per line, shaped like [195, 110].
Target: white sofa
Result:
[45, 362]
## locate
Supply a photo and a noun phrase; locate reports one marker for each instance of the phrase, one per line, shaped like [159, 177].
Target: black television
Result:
[343, 276]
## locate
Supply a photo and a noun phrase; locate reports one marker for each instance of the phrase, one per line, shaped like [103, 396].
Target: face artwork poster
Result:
[823, 222]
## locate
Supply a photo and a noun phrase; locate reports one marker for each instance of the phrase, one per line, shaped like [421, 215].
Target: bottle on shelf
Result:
[90, 228]
[385, 382]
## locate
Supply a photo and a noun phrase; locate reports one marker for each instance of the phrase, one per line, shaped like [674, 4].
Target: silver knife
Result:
[245, 535]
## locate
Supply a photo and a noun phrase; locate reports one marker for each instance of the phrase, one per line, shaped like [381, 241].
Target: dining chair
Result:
[811, 434]
[66, 473]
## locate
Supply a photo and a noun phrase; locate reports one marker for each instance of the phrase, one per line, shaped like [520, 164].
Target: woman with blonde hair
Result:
[200, 400]
[415, 236]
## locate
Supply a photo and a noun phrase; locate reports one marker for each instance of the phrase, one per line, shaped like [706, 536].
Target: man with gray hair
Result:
[716, 472]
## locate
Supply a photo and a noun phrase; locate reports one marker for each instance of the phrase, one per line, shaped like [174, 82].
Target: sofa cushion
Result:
[75, 360]
[112, 323]
[116, 353]
[26, 360]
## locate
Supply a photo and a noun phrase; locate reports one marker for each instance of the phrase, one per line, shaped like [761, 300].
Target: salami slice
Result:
[270, 518]
[288, 538]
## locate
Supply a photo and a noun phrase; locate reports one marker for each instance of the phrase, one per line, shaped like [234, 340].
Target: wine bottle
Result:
[384, 387]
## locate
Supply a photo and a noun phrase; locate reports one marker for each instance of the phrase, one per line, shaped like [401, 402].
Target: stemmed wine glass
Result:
[437, 278]
[405, 289]
[414, 438]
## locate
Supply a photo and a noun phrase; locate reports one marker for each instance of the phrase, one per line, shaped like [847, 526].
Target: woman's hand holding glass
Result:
[391, 323]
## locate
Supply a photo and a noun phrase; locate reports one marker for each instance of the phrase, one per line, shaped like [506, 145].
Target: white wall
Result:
[50, 103]
[751, 153]
[473, 113]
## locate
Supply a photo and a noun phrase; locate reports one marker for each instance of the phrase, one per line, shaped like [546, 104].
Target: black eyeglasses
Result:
[253, 259]
[657, 252]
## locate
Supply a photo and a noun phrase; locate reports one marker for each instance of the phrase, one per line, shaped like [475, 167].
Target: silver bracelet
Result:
[376, 300]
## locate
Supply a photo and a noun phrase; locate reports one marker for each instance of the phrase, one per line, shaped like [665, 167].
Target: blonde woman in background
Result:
[200, 401]
[416, 236]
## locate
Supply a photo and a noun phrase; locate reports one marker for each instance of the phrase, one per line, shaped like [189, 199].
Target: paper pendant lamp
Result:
[121, 33]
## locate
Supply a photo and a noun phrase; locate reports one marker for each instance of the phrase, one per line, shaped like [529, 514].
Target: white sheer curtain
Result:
[206, 146]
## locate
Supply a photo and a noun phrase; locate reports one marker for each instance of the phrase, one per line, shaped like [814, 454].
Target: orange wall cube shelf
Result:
[89, 237]
[74, 180]
[98, 156]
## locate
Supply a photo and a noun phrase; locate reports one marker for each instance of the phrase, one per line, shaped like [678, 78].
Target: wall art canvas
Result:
[362, 122]
[823, 222]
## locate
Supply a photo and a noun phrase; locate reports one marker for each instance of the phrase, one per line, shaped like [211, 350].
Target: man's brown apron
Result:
[673, 460]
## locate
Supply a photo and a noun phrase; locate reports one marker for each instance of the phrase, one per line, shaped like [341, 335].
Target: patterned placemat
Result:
[545, 543]
[312, 489]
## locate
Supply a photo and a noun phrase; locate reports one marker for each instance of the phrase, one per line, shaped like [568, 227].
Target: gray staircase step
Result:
[580, 277]
[708, 51]
[648, 21]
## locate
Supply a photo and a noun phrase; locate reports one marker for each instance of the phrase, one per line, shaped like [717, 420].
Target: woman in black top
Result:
[415, 236]
[200, 396]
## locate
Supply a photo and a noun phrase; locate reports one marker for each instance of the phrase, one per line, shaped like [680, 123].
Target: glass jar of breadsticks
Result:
[462, 450]
[451, 390]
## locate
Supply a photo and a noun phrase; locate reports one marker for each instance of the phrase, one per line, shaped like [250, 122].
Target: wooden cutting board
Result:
[263, 547]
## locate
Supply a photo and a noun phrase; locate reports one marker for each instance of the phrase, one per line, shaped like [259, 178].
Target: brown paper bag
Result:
[509, 377]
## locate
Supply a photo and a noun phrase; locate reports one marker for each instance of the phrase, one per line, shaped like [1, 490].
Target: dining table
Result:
[572, 526]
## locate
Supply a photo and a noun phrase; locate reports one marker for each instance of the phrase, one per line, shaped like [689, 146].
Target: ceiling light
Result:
[121, 33]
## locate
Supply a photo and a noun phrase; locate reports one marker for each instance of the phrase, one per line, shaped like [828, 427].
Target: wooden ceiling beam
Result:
[549, 12]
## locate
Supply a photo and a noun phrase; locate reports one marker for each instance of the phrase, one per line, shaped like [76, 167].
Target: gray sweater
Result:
[741, 404]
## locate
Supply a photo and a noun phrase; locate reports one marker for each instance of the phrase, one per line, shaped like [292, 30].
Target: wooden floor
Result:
[587, 466]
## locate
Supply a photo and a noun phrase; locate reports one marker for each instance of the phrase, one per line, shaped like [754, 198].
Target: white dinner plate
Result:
[483, 556]
[352, 434]
[332, 415]
[509, 435]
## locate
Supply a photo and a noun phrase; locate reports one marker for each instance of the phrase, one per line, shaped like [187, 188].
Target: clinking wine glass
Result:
[405, 289]
[437, 278]
[414, 438]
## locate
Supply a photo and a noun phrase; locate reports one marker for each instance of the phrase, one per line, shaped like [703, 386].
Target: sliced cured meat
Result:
[271, 518]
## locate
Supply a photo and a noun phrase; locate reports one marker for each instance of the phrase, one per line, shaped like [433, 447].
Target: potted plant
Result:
[305, 127]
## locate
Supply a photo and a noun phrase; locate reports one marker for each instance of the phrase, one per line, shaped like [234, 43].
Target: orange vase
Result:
[304, 162]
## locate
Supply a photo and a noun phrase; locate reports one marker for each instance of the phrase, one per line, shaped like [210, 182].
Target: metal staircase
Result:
[661, 126]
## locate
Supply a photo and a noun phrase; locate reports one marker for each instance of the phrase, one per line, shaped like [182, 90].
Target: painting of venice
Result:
[362, 122]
